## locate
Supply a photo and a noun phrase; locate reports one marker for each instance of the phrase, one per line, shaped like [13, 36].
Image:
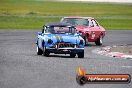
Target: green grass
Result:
[28, 22]
[32, 14]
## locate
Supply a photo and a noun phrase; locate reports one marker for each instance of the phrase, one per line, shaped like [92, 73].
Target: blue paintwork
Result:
[42, 40]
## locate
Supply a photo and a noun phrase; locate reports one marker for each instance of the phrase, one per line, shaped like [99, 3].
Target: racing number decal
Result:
[93, 35]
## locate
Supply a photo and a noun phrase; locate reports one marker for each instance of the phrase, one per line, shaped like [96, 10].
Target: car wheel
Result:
[81, 54]
[86, 40]
[72, 55]
[39, 51]
[99, 41]
[45, 52]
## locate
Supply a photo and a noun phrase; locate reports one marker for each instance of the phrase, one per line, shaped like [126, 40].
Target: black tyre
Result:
[39, 51]
[81, 54]
[86, 39]
[45, 52]
[72, 55]
[99, 41]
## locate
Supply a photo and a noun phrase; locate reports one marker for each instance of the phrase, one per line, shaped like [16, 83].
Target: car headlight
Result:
[50, 41]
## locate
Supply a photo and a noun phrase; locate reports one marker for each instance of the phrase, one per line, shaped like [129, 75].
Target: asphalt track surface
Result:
[21, 67]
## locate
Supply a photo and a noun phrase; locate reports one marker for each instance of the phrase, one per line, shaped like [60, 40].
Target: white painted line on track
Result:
[126, 66]
[106, 51]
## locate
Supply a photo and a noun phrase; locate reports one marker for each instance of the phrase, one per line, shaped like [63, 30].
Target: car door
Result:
[95, 30]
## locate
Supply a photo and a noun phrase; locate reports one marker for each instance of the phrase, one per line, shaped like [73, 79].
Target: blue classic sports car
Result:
[60, 38]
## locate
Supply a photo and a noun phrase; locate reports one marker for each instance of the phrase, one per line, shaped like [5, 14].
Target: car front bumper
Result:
[65, 50]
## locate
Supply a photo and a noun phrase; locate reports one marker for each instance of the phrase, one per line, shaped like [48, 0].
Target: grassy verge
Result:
[24, 22]
[32, 14]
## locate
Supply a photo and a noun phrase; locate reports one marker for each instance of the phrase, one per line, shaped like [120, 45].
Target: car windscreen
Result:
[76, 21]
[60, 30]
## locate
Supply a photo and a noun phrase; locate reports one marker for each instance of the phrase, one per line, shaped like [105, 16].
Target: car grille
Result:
[65, 45]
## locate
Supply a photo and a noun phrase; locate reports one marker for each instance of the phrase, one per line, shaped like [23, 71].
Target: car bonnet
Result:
[64, 38]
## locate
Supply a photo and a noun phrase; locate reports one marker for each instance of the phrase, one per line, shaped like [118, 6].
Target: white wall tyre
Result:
[39, 51]
[99, 41]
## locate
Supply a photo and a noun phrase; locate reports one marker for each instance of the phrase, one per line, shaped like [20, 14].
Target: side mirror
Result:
[39, 33]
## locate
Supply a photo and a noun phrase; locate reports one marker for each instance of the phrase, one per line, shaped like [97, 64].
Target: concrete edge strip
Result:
[106, 51]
